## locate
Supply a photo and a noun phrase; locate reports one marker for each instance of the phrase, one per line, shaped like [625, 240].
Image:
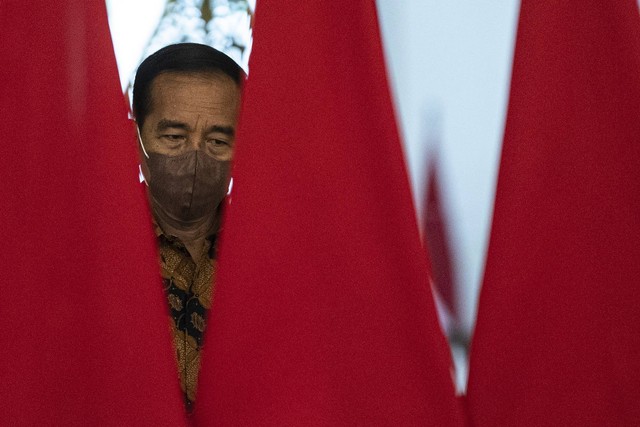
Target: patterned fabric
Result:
[189, 289]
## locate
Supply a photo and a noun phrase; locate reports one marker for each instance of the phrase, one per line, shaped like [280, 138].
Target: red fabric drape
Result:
[558, 331]
[323, 313]
[85, 338]
[437, 242]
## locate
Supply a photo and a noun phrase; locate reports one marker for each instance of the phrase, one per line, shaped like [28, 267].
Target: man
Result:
[186, 100]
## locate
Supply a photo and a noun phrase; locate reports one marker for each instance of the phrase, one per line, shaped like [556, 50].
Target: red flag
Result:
[436, 240]
[558, 331]
[86, 337]
[323, 313]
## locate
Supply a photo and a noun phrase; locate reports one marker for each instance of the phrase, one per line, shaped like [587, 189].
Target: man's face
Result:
[191, 112]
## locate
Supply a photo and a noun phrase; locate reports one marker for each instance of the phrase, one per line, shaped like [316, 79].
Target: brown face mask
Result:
[189, 186]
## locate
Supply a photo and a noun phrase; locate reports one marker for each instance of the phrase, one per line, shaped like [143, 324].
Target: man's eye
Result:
[174, 138]
[218, 142]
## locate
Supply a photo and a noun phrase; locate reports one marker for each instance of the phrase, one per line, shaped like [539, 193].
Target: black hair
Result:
[179, 58]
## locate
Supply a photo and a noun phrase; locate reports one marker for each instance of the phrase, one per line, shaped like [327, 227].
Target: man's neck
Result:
[192, 234]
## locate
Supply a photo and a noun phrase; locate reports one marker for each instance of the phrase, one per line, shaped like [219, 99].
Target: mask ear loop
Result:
[140, 174]
[141, 144]
[230, 186]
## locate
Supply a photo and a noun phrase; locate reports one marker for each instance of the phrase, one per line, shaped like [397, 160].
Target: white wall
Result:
[132, 24]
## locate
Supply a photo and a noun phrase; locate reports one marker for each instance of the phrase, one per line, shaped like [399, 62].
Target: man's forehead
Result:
[165, 124]
[192, 101]
[186, 79]
[173, 88]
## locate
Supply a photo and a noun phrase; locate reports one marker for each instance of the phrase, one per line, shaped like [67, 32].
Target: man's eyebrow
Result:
[165, 124]
[227, 130]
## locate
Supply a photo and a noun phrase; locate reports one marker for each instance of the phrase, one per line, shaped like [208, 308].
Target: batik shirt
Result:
[189, 289]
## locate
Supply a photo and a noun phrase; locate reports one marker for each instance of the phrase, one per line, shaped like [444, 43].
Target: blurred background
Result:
[449, 66]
